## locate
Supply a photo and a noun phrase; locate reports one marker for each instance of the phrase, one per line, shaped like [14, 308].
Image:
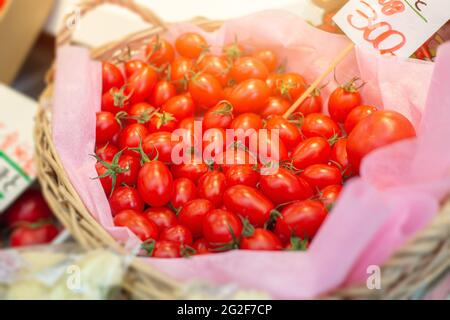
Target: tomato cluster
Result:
[205, 205]
[29, 221]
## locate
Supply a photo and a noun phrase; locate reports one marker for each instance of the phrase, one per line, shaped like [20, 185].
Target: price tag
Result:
[394, 27]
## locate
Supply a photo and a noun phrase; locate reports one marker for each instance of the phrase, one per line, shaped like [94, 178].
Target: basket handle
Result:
[65, 34]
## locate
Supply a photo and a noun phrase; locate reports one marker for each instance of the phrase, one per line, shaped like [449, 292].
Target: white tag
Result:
[397, 27]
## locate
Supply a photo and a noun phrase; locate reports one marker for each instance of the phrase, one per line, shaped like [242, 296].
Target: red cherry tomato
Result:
[288, 132]
[275, 106]
[165, 250]
[155, 184]
[140, 85]
[249, 96]
[132, 66]
[268, 57]
[106, 127]
[131, 136]
[246, 68]
[192, 170]
[283, 186]
[124, 198]
[377, 130]
[191, 45]
[164, 121]
[301, 219]
[140, 113]
[215, 66]
[107, 180]
[249, 203]
[164, 218]
[339, 157]
[232, 157]
[201, 247]
[270, 149]
[319, 125]
[311, 151]
[159, 144]
[115, 101]
[28, 235]
[131, 165]
[111, 77]
[180, 72]
[356, 115]
[242, 174]
[159, 52]
[329, 195]
[30, 207]
[273, 81]
[343, 100]
[321, 175]
[247, 121]
[193, 214]
[178, 234]
[205, 90]
[312, 104]
[219, 116]
[106, 152]
[221, 227]
[211, 186]
[143, 228]
[214, 141]
[162, 92]
[261, 239]
[290, 86]
[184, 191]
[181, 107]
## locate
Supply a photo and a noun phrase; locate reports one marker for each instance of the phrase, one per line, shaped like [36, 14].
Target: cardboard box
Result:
[20, 24]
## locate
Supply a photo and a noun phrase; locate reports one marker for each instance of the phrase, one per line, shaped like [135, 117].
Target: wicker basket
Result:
[415, 267]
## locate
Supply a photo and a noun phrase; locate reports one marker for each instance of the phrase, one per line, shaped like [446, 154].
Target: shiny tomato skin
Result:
[206, 90]
[131, 136]
[143, 228]
[166, 250]
[247, 121]
[201, 247]
[319, 125]
[190, 45]
[273, 81]
[180, 72]
[106, 127]
[164, 218]
[249, 203]
[275, 106]
[124, 198]
[28, 235]
[377, 130]
[288, 132]
[261, 239]
[159, 144]
[106, 152]
[184, 191]
[193, 170]
[30, 207]
[341, 102]
[221, 227]
[155, 183]
[132, 66]
[249, 96]
[215, 66]
[246, 68]
[111, 77]
[301, 219]
[140, 85]
[330, 194]
[193, 214]
[312, 104]
[283, 186]
[219, 116]
[211, 186]
[321, 175]
[339, 157]
[132, 165]
[159, 52]
[268, 57]
[311, 151]
[162, 92]
[290, 86]
[242, 174]
[181, 106]
[178, 234]
[356, 115]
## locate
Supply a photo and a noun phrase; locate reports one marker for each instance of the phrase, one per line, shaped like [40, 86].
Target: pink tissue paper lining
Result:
[397, 194]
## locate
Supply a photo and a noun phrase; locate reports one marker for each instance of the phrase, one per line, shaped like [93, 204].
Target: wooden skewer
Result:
[317, 82]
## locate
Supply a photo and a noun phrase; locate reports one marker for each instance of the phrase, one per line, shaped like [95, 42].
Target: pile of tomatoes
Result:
[203, 207]
[29, 221]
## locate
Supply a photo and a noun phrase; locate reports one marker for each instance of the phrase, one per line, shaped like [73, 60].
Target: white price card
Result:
[395, 27]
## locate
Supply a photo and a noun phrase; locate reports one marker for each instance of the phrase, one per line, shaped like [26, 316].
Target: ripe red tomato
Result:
[246, 68]
[115, 100]
[106, 127]
[132, 66]
[143, 228]
[159, 52]
[249, 203]
[329, 195]
[192, 170]
[242, 174]
[164, 218]
[311, 151]
[356, 115]
[162, 92]
[155, 184]
[290, 86]
[106, 152]
[191, 45]
[321, 175]
[342, 101]
[180, 72]
[165, 249]
[131, 136]
[377, 130]
[288, 132]
[140, 113]
[268, 57]
[219, 116]
[275, 106]
[184, 191]
[214, 142]
[249, 96]
[140, 85]
[107, 178]
[215, 66]
[164, 121]
[124, 198]
[193, 214]
[30, 207]
[301, 219]
[312, 104]
[211, 186]
[319, 125]
[283, 186]
[221, 227]
[131, 165]
[339, 157]
[111, 77]
[28, 235]
[178, 234]
[247, 121]
[273, 81]
[159, 144]
[261, 239]
[181, 107]
[201, 247]
[205, 90]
